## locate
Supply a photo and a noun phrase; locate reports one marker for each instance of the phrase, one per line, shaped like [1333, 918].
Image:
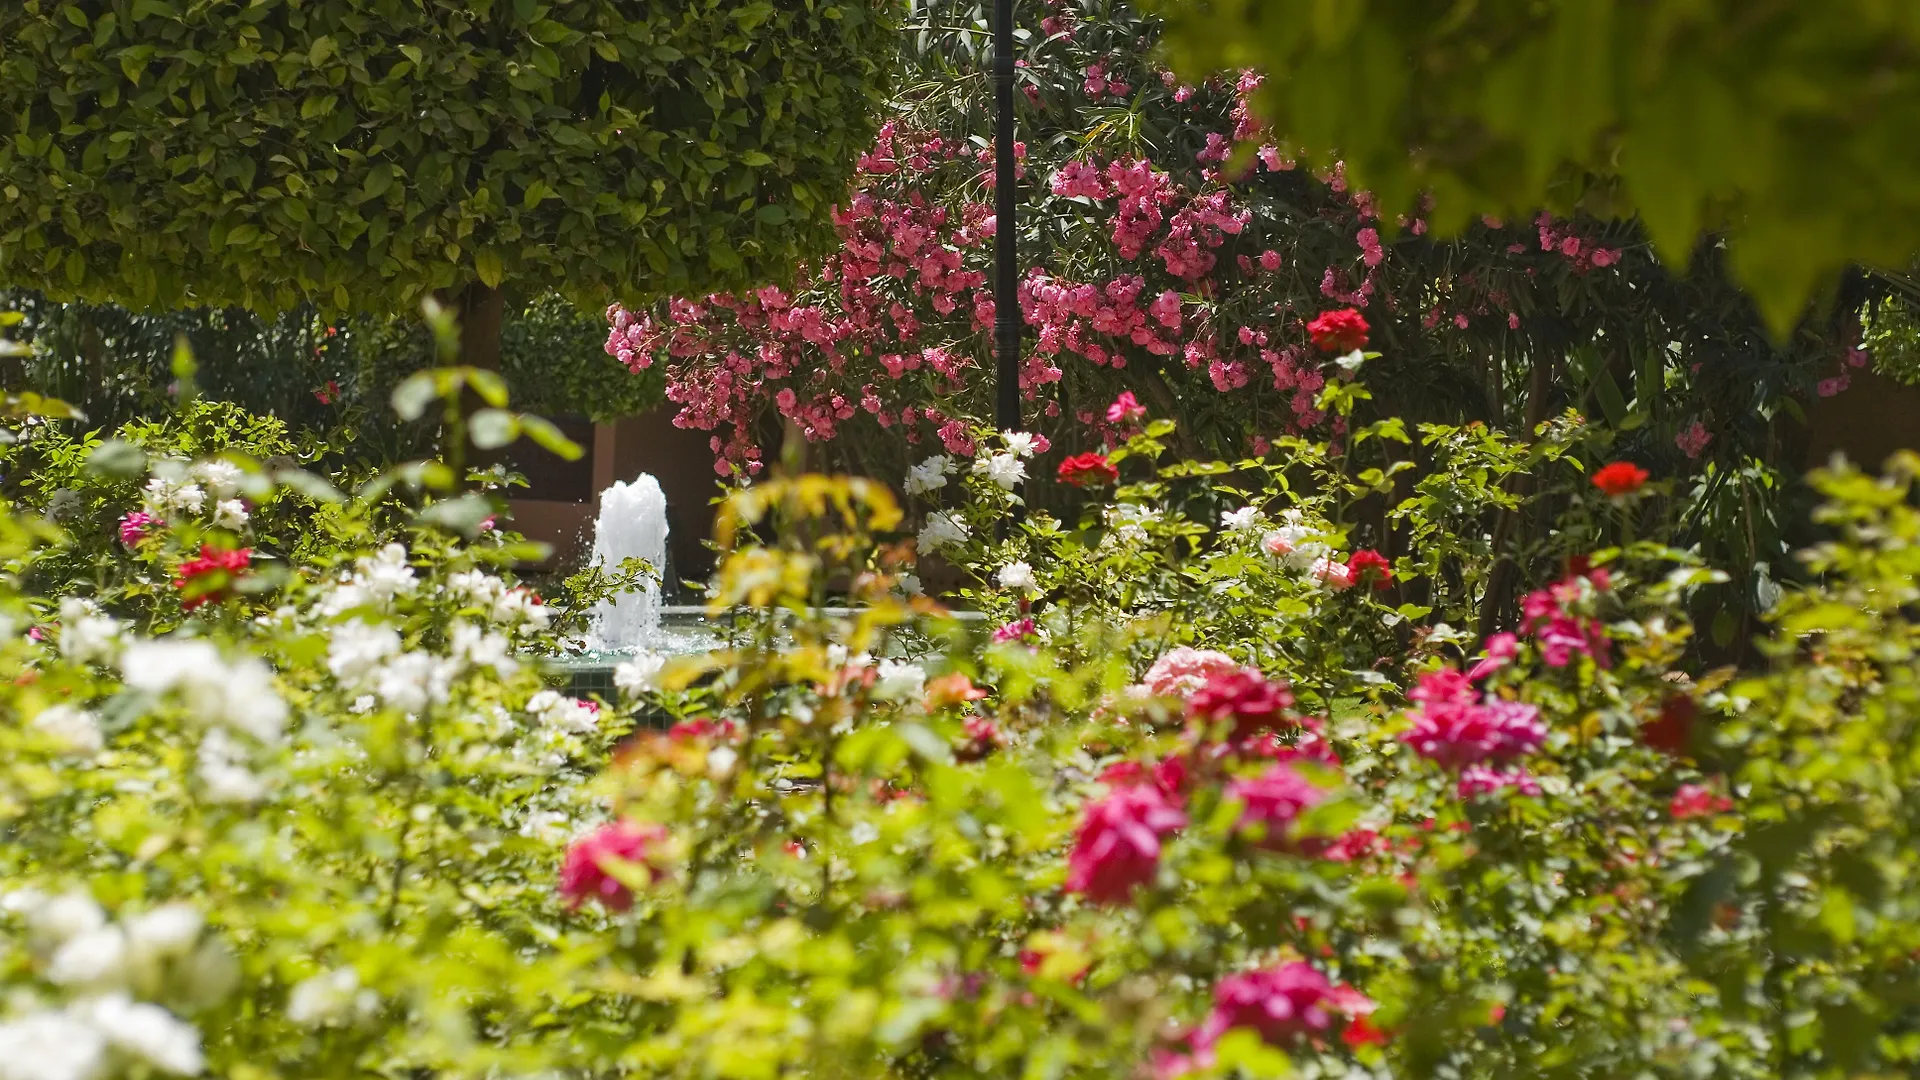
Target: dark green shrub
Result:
[358, 153]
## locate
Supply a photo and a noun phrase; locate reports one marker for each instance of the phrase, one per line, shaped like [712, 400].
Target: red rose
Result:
[208, 577]
[1620, 478]
[1370, 566]
[1361, 1032]
[1088, 470]
[1340, 331]
[1672, 730]
[1693, 801]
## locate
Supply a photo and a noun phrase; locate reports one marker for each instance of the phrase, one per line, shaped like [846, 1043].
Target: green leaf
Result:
[488, 265]
[491, 388]
[550, 438]
[307, 484]
[117, 458]
[411, 398]
[753, 14]
[1836, 915]
[461, 514]
[493, 428]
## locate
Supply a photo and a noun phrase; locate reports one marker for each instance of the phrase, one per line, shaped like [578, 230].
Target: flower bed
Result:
[1209, 789]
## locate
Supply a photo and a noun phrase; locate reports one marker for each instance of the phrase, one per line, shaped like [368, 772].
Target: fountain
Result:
[632, 523]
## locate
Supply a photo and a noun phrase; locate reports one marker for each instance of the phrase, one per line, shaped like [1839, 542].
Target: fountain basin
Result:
[684, 630]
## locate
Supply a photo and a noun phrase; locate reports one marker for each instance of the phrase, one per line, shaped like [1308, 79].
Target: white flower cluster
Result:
[639, 674]
[377, 580]
[165, 495]
[223, 478]
[87, 635]
[1127, 522]
[1297, 545]
[176, 488]
[330, 998]
[562, 713]
[1295, 542]
[231, 697]
[893, 680]
[369, 658]
[72, 729]
[1018, 576]
[942, 530]
[103, 1030]
[929, 476]
[510, 607]
[1240, 520]
[1005, 470]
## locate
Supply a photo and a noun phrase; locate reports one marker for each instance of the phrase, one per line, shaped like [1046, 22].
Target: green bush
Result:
[362, 152]
[314, 374]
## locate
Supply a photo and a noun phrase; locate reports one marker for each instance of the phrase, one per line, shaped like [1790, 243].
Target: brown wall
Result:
[1868, 421]
[683, 463]
[679, 459]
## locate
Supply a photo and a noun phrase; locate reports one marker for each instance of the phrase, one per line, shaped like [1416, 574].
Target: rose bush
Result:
[1223, 783]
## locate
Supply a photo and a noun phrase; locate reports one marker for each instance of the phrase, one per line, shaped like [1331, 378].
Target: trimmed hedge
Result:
[356, 153]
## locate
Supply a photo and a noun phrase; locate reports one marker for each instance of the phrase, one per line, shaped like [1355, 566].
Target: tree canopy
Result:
[1790, 125]
[360, 152]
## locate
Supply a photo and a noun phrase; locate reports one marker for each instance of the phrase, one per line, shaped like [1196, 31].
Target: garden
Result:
[1191, 540]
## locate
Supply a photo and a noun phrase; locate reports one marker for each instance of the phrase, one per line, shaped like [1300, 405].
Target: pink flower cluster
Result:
[1273, 800]
[1244, 700]
[1284, 1004]
[137, 526]
[1693, 439]
[1118, 846]
[1558, 236]
[902, 262]
[584, 875]
[1453, 726]
[889, 332]
[1182, 670]
[1556, 619]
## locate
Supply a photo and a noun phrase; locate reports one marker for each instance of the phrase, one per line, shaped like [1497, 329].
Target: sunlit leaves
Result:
[1696, 116]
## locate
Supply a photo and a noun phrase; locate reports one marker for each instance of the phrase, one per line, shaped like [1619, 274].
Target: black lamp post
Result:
[1006, 273]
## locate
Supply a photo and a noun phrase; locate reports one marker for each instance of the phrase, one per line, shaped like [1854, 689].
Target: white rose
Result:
[1017, 576]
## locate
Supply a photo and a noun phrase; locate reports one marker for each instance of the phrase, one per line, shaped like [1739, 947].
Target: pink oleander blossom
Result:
[1561, 631]
[1693, 440]
[1695, 801]
[1117, 847]
[1501, 649]
[1284, 1004]
[1126, 409]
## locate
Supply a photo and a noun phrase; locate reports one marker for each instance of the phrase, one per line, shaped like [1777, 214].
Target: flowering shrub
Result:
[1174, 251]
[1187, 801]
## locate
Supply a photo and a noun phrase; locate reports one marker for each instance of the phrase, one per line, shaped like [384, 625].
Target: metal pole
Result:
[1006, 273]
